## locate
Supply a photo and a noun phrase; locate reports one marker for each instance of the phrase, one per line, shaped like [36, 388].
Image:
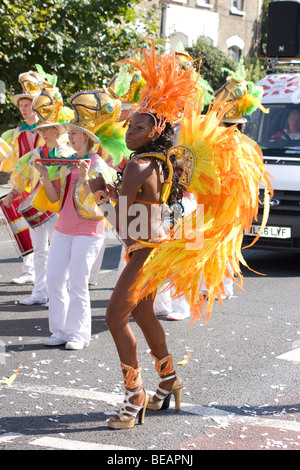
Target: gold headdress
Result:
[32, 83]
[95, 111]
[205, 91]
[49, 107]
[244, 96]
[127, 85]
[184, 59]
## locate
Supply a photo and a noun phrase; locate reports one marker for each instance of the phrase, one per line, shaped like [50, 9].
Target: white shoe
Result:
[161, 314]
[176, 316]
[74, 343]
[53, 341]
[25, 278]
[32, 301]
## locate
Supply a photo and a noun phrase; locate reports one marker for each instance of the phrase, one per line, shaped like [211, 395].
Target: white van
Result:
[278, 135]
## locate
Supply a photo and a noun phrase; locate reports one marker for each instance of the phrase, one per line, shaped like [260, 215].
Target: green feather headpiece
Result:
[50, 78]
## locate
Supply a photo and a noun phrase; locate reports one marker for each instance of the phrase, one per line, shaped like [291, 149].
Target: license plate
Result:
[270, 232]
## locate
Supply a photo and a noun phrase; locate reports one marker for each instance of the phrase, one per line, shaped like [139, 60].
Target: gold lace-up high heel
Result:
[166, 372]
[128, 413]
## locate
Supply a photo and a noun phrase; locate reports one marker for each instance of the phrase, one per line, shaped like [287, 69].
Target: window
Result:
[276, 129]
[234, 53]
[204, 3]
[238, 4]
[179, 37]
[237, 7]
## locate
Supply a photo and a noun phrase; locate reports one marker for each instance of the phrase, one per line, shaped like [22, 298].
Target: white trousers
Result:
[71, 258]
[98, 262]
[165, 305]
[40, 238]
[28, 264]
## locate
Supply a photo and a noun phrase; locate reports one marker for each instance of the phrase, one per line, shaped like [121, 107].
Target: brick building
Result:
[231, 25]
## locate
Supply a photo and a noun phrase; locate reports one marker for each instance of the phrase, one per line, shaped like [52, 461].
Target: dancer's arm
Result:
[49, 188]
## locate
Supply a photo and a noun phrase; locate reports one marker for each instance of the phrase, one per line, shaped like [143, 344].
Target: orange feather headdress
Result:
[167, 86]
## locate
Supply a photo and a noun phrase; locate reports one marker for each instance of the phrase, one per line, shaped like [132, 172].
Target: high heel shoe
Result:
[126, 417]
[164, 396]
[166, 372]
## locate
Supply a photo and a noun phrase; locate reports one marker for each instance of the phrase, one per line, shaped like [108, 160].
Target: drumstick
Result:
[60, 161]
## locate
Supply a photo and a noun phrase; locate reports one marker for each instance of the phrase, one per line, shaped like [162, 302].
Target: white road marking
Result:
[225, 418]
[8, 437]
[67, 444]
[220, 416]
[109, 398]
[259, 422]
[293, 356]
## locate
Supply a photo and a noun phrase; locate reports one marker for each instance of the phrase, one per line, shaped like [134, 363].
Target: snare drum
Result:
[17, 227]
[33, 216]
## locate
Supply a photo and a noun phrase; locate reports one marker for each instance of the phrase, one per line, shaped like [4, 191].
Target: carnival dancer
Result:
[79, 231]
[48, 105]
[223, 173]
[22, 140]
[148, 181]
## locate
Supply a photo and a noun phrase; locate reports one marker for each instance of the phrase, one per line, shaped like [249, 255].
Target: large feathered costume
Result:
[223, 169]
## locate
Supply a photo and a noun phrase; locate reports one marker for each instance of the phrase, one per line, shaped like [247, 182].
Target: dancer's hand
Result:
[112, 192]
[8, 199]
[83, 167]
[42, 169]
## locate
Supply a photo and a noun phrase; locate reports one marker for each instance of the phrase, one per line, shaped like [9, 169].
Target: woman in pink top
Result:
[75, 245]
[77, 239]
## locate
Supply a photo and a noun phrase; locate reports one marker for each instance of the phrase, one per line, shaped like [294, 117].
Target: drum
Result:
[5, 149]
[17, 227]
[33, 216]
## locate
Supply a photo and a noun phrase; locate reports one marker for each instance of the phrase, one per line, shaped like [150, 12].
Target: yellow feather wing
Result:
[207, 244]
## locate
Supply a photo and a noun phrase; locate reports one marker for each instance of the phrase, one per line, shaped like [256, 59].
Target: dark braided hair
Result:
[161, 145]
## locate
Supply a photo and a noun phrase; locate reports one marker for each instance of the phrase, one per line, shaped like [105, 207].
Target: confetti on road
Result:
[12, 377]
[184, 361]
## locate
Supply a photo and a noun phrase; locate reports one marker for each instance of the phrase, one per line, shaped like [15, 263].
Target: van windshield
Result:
[279, 130]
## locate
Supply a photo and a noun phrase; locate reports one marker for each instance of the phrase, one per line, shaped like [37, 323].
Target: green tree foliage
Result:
[78, 40]
[212, 63]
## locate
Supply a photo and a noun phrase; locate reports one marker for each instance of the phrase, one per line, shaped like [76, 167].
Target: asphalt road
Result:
[241, 384]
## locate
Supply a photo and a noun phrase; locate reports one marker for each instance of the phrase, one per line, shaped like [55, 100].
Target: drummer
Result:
[22, 140]
[48, 106]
